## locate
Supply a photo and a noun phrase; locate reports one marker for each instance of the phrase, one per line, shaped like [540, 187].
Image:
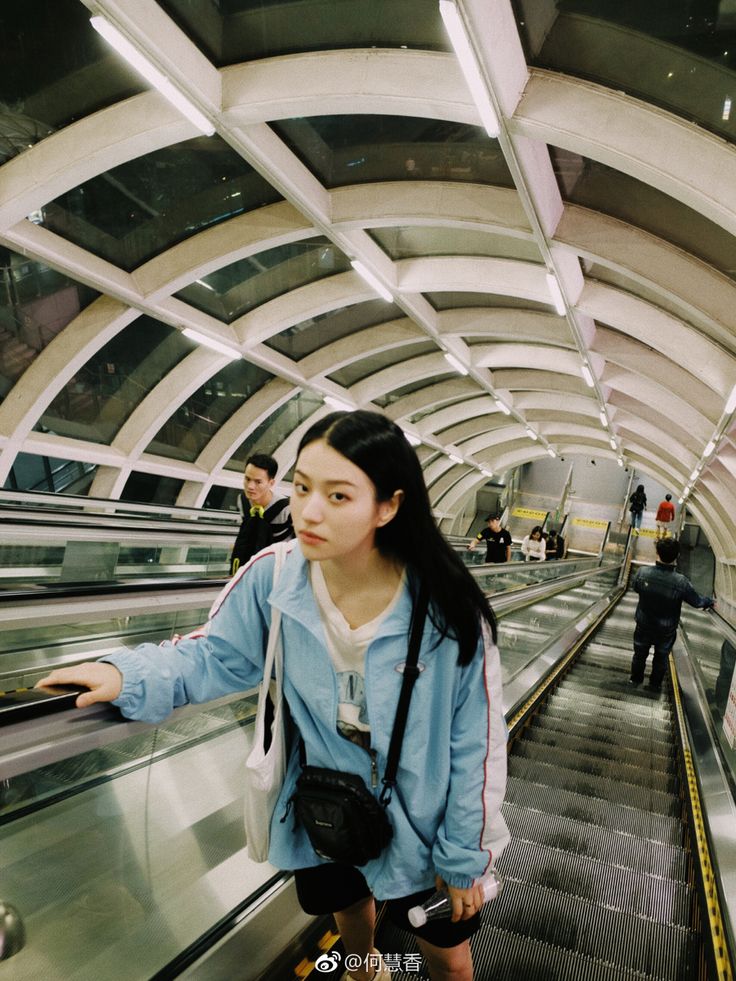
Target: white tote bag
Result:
[264, 771]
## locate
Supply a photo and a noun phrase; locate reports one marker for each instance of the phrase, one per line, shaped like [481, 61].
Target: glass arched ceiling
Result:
[346, 131]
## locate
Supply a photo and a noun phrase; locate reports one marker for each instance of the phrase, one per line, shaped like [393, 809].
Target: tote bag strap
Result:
[274, 662]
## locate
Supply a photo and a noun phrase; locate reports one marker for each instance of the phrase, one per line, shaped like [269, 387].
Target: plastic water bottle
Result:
[439, 905]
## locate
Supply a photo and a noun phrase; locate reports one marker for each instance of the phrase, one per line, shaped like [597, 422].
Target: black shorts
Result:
[333, 887]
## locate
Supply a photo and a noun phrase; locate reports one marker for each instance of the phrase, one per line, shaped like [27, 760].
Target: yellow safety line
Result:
[715, 921]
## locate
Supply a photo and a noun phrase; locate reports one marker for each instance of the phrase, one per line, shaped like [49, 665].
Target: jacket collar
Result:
[294, 597]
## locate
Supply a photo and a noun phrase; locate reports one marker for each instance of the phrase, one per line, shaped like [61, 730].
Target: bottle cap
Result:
[417, 916]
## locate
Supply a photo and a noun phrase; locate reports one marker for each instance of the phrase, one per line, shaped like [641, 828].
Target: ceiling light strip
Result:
[137, 60]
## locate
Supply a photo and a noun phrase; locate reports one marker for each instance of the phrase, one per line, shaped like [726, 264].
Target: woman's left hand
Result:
[465, 902]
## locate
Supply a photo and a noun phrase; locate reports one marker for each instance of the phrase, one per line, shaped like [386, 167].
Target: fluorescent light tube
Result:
[556, 293]
[469, 66]
[205, 341]
[455, 458]
[138, 60]
[503, 407]
[372, 280]
[336, 403]
[709, 447]
[587, 376]
[694, 475]
[612, 441]
[530, 433]
[414, 440]
[620, 462]
[604, 419]
[456, 364]
[551, 451]
[487, 473]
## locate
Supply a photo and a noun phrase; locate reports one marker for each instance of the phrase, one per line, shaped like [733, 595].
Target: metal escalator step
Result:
[658, 950]
[553, 773]
[585, 763]
[603, 844]
[590, 730]
[506, 956]
[613, 696]
[617, 752]
[628, 890]
[638, 711]
[602, 721]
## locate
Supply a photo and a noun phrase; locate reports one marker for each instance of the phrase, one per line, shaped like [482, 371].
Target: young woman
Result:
[637, 507]
[366, 538]
[533, 546]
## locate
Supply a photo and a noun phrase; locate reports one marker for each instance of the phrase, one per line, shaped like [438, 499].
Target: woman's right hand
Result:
[104, 681]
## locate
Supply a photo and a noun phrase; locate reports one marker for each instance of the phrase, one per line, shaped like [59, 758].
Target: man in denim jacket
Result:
[661, 590]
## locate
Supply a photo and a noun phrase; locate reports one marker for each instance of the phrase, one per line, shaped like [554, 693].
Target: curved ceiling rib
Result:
[655, 322]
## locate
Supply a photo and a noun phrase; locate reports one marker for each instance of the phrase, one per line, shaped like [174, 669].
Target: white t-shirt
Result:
[347, 648]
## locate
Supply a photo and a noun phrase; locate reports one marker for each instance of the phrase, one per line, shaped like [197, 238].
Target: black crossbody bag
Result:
[344, 821]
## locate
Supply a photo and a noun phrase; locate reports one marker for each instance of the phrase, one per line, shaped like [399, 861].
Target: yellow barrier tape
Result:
[529, 513]
[589, 523]
[715, 920]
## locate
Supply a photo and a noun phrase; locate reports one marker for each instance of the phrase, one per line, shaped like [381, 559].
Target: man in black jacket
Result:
[266, 516]
[661, 590]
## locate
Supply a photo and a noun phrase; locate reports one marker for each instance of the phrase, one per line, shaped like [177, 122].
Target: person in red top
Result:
[665, 516]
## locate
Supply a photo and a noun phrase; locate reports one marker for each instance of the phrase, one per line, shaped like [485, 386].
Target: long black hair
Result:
[379, 447]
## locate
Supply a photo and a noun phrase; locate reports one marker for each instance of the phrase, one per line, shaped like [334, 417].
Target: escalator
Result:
[135, 831]
[599, 874]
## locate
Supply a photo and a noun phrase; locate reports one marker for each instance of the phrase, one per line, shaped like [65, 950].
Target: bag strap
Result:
[274, 653]
[410, 675]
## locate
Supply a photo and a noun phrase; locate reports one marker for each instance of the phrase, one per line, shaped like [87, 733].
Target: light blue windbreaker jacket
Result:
[451, 779]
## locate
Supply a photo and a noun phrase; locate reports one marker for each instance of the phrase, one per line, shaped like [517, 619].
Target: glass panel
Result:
[141, 208]
[680, 56]
[272, 432]
[148, 488]
[390, 397]
[154, 852]
[54, 69]
[453, 301]
[233, 31]
[353, 373]
[359, 149]
[232, 291]
[715, 659]
[36, 304]
[409, 241]
[113, 551]
[95, 403]
[594, 185]
[42, 473]
[524, 633]
[310, 335]
[222, 498]
[185, 434]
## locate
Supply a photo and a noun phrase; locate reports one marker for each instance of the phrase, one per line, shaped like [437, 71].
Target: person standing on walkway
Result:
[637, 506]
[497, 539]
[665, 516]
[661, 590]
